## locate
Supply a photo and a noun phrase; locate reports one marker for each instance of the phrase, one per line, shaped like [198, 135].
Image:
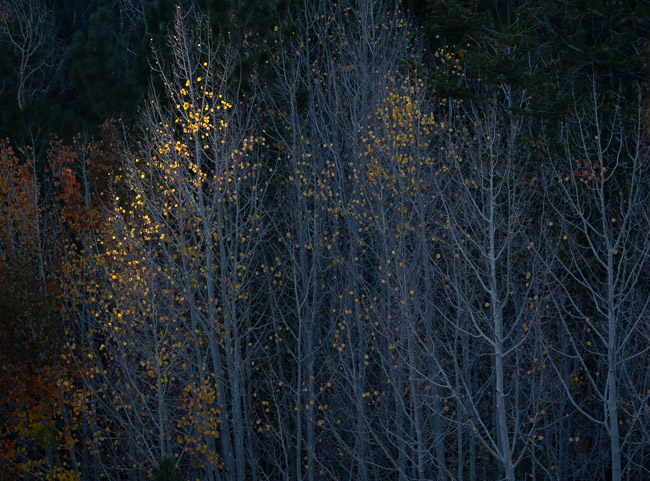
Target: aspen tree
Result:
[177, 321]
[599, 199]
[493, 281]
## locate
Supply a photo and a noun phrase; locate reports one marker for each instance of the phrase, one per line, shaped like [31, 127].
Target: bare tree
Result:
[26, 27]
[493, 282]
[600, 240]
[333, 74]
[178, 319]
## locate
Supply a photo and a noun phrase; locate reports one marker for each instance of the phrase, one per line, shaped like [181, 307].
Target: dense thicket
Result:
[312, 240]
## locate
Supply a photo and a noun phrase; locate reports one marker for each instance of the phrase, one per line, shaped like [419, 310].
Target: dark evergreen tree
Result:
[549, 49]
[99, 77]
[166, 470]
[249, 25]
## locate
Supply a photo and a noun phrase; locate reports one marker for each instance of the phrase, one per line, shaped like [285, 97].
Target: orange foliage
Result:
[43, 398]
[587, 170]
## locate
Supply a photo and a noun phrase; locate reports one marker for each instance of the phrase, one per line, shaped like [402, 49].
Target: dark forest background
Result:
[305, 239]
